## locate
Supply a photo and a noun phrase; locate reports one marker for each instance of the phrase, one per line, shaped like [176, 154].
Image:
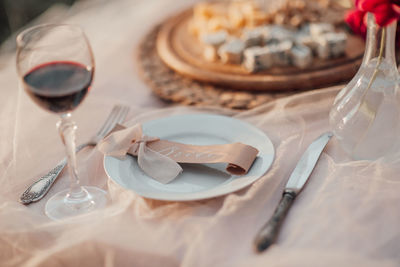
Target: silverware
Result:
[269, 232]
[39, 188]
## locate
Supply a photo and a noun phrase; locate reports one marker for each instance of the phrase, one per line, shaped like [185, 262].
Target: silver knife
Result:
[269, 232]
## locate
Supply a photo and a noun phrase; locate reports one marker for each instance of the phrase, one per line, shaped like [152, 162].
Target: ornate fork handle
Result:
[39, 188]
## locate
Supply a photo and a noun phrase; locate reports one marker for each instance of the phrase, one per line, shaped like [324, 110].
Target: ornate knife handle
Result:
[39, 188]
[269, 232]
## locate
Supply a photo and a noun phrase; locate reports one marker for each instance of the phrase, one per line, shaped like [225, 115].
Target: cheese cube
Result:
[211, 43]
[301, 56]
[331, 45]
[252, 37]
[316, 29]
[276, 34]
[215, 39]
[280, 53]
[257, 58]
[307, 40]
[232, 51]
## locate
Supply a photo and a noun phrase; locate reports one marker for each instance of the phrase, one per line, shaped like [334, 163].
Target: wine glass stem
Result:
[67, 127]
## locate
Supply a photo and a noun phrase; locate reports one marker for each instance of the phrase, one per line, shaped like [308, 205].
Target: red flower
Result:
[357, 22]
[385, 11]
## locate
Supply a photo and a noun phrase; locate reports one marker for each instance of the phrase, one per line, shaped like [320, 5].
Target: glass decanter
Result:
[365, 116]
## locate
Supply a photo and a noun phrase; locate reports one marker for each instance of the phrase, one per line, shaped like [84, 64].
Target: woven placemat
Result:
[173, 87]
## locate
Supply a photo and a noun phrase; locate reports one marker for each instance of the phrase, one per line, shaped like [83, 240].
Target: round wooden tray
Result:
[181, 51]
[173, 87]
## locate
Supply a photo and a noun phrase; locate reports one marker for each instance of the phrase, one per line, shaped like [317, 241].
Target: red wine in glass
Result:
[58, 86]
[55, 65]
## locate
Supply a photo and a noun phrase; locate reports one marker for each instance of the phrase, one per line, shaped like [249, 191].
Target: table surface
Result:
[347, 215]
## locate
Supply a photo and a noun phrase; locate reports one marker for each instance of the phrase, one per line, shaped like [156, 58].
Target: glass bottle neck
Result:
[380, 41]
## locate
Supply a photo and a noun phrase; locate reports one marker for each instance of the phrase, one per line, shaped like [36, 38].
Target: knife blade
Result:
[269, 232]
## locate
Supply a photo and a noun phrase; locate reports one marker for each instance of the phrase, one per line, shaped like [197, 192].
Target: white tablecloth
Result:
[347, 215]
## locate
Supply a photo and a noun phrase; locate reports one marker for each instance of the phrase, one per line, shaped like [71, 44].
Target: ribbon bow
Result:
[132, 141]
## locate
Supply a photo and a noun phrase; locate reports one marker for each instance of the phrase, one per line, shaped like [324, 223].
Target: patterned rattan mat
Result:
[173, 87]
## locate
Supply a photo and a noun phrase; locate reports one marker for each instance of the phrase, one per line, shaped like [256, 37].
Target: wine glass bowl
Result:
[55, 65]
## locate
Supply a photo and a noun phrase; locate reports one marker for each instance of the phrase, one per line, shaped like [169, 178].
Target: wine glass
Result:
[55, 65]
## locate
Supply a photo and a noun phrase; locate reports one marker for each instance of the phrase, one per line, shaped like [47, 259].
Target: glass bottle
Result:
[365, 116]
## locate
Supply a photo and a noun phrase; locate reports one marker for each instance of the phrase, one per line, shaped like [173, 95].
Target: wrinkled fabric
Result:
[347, 215]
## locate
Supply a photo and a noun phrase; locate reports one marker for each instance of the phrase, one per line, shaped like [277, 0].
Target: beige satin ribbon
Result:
[159, 158]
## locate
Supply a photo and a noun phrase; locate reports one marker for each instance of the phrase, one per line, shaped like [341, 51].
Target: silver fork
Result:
[39, 188]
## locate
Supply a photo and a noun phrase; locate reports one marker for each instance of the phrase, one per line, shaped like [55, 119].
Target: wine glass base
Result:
[58, 208]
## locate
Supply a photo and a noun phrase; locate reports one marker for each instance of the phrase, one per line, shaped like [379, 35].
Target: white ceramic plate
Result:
[196, 181]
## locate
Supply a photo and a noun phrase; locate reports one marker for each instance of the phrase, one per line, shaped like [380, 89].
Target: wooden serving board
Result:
[182, 52]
